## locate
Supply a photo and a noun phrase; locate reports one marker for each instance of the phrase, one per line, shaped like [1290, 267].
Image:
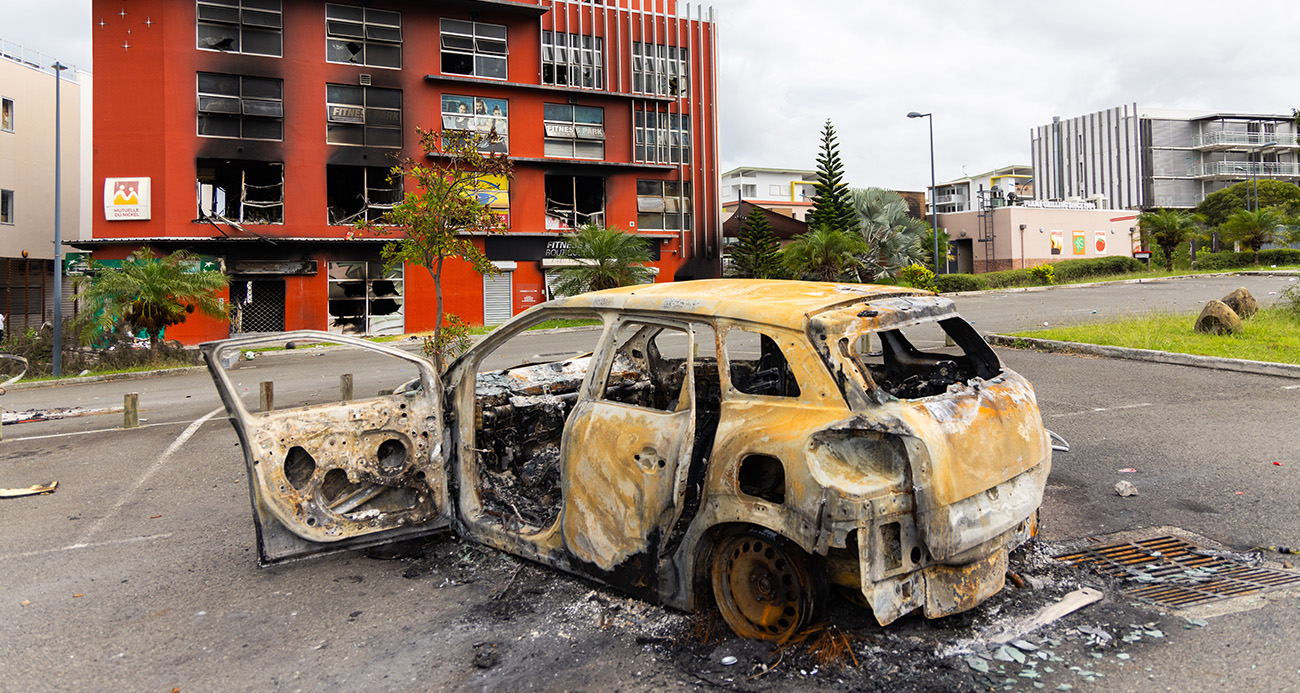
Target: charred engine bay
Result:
[541, 629]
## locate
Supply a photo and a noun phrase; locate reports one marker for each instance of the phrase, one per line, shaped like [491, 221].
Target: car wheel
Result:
[765, 587]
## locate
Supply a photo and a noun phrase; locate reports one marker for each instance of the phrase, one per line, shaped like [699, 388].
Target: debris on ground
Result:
[31, 415]
[1125, 489]
[37, 490]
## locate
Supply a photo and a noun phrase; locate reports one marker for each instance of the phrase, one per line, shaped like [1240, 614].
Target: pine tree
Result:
[833, 206]
[757, 254]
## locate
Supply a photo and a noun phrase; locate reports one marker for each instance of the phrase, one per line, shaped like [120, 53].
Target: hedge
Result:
[951, 283]
[1068, 270]
[1279, 256]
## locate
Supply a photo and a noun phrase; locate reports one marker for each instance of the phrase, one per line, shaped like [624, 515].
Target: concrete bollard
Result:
[131, 410]
[266, 396]
[345, 387]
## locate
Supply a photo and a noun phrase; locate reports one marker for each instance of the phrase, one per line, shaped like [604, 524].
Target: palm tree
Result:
[1168, 228]
[607, 257]
[147, 294]
[892, 238]
[1254, 229]
[825, 254]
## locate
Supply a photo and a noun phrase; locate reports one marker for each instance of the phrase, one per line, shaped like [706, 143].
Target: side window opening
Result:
[758, 366]
[520, 409]
[954, 353]
[649, 368]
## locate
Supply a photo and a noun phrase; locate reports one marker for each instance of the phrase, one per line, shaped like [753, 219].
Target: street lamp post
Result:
[56, 365]
[934, 190]
[1254, 171]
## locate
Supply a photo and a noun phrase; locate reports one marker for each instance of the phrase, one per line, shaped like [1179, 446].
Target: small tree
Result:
[1168, 228]
[607, 257]
[833, 206]
[438, 220]
[147, 294]
[825, 254]
[758, 252]
[1254, 229]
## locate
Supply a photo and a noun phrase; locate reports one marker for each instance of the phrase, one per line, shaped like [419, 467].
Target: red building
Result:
[255, 131]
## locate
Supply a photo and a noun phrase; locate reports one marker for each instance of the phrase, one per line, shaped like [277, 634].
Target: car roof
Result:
[767, 301]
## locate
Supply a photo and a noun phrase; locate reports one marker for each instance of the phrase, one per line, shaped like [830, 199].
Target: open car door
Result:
[328, 472]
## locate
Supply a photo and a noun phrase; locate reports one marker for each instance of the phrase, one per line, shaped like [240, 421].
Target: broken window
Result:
[240, 106]
[572, 201]
[489, 117]
[245, 192]
[663, 138]
[240, 26]
[663, 205]
[954, 353]
[574, 132]
[365, 298]
[573, 60]
[520, 413]
[363, 36]
[359, 192]
[367, 116]
[474, 48]
[660, 70]
[756, 365]
[256, 305]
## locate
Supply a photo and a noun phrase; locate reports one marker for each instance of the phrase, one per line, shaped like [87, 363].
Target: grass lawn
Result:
[1160, 273]
[1273, 334]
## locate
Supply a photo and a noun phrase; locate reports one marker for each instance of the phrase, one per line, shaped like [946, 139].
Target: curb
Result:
[111, 377]
[1148, 280]
[1283, 370]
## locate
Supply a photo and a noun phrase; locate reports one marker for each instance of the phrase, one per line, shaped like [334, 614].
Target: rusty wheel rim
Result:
[763, 589]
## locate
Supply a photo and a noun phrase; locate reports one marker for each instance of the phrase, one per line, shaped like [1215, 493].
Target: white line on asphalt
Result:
[1291, 387]
[98, 430]
[176, 444]
[1101, 409]
[73, 547]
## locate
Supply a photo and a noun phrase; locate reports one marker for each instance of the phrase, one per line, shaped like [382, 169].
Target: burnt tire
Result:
[766, 587]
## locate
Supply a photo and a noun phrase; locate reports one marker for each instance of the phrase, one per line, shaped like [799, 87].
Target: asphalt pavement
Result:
[139, 573]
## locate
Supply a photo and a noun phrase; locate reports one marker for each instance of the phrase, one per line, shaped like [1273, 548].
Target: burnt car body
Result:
[750, 441]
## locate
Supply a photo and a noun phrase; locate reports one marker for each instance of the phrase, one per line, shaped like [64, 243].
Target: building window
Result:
[572, 201]
[243, 107]
[573, 60]
[574, 132]
[353, 193]
[366, 116]
[366, 298]
[362, 36]
[240, 26]
[663, 138]
[660, 70]
[6, 206]
[245, 192]
[474, 48]
[663, 205]
[7, 114]
[475, 114]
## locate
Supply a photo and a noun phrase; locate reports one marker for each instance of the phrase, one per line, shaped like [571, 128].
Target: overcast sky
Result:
[988, 71]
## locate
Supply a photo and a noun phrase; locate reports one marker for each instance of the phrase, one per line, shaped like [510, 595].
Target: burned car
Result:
[747, 442]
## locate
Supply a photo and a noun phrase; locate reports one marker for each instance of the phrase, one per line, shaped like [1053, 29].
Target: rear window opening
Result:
[925, 359]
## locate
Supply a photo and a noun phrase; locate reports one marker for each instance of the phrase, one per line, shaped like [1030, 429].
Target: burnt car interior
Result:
[906, 372]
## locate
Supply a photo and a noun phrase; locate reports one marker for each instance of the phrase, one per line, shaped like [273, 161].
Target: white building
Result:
[27, 133]
[998, 187]
[788, 192]
[1145, 158]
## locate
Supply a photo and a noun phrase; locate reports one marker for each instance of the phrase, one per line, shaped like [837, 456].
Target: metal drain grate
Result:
[1177, 573]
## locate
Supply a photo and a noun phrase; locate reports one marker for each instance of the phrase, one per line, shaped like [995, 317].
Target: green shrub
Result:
[1223, 260]
[1279, 256]
[951, 283]
[1044, 274]
[1290, 301]
[1072, 270]
[918, 277]
[1009, 278]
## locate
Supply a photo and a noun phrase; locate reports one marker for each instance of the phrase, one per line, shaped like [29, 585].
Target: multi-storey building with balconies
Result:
[1000, 186]
[788, 192]
[256, 132]
[1144, 158]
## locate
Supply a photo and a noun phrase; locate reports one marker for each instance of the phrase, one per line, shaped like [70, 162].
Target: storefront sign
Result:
[1058, 242]
[1056, 204]
[1080, 242]
[126, 199]
[352, 115]
[1099, 242]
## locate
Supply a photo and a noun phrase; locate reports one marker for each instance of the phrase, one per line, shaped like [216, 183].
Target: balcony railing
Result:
[954, 199]
[1243, 170]
[1242, 140]
[34, 59]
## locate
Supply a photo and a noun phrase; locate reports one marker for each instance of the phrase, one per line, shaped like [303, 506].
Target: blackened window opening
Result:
[246, 192]
[572, 201]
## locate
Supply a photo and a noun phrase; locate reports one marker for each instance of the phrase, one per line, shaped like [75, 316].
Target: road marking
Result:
[1102, 409]
[98, 430]
[1291, 387]
[166, 454]
[74, 547]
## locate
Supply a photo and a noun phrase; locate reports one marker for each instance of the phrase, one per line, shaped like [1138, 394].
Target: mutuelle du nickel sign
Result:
[126, 199]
